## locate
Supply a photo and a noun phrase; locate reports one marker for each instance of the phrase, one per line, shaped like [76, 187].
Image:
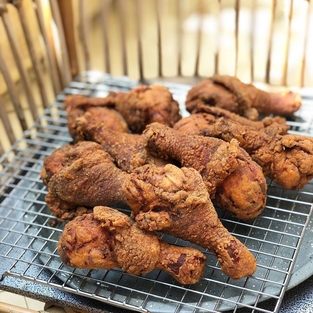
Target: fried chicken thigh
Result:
[108, 239]
[233, 180]
[175, 201]
[230, 93]
[285, 158]
[139, 107]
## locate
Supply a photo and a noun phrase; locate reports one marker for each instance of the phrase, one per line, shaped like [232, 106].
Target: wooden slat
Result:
[158, 10]
[64, 67]
[38, 70]
[252, 40]
[105, 28]
[13, 92]
[83, 30]
[139, 38]
[24, 76]
[53, 74]
[308, 22]
[218, 40]
[268, 62]
[6, 122]
[179, 35]
[287, 48]
[200, 6]
[122, 18]
[237, 10]
[67, 17]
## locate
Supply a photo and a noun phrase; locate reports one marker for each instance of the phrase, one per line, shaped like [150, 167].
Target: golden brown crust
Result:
[175, 201]
[229, 93]
[147, 104]
[285, 158]
[128, 150]
[233, 180]
[94, 110]
[139, 107]
[87, 180]
[108, 239]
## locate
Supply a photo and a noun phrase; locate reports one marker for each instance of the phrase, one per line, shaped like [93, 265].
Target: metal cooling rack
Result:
[29, 234]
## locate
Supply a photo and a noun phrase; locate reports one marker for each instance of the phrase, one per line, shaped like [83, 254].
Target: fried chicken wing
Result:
[175, 201]
[285, 158]
[139, 107]
[108, 239]
[234, 181]
[230, 93]
[77, 106]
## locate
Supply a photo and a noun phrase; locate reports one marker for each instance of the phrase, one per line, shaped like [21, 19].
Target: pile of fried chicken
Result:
[136, 149]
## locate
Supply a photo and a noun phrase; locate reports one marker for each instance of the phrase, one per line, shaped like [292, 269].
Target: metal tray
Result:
[28, 235]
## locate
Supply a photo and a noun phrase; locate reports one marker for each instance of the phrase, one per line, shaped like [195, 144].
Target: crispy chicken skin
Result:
[285, 158]
[230, 116]
[140, 106]
[129, 151]
[76, 107]
[175, 201]
[233, 180]
[108, 239]
[87, 180]
[64, 156]
[83, 102]
[169, 190]
[230, 93]
[147, 104]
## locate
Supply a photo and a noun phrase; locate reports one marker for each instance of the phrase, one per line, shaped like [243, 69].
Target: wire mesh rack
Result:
[29, 233]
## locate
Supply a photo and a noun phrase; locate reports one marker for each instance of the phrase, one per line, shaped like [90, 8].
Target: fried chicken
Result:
[147, 104]
[285, 158]
[229, 93]
[166, 192]
[139, 107]
[129, 151]
[64, 156]
[87, 180]
[219, 112]
[77, 106]
[233, 180]
[108, 239]
[175, 201]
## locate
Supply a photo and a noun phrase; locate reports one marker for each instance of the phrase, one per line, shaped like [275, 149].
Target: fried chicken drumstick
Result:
[285, 158]
[108, 239]
[77, 106]
[128, 150]
[176, 198]
[175, 201]
[233, 117]
[230, 93]
[139, 107]
[234, 181]
[86, 180]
